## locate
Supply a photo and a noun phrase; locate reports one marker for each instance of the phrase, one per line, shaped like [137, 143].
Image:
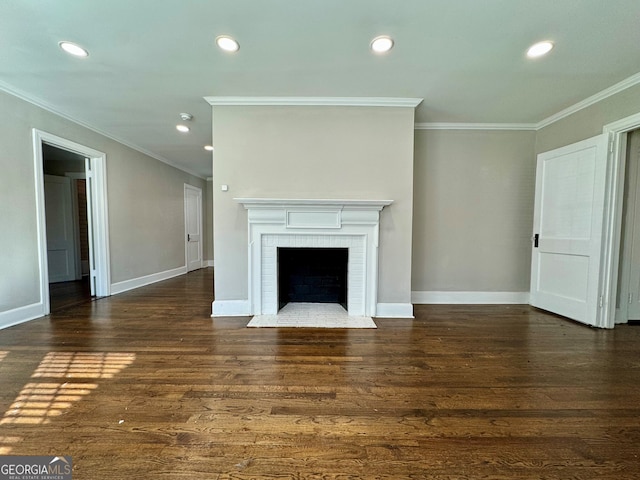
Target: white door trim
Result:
[198, 192]
[100, 228]
[614, 201]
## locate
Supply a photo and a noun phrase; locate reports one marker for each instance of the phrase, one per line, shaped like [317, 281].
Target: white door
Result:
[568, 230]
[61, 247]
[193, 226]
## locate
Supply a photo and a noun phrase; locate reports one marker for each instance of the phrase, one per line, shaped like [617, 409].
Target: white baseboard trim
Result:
[394, 310]
[21, 315]
[126, 285]
[487, 298]
[230, 308]
[208, 263]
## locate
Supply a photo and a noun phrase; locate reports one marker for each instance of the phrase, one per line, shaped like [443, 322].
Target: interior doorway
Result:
[63, 170]
[614, 309]
[193, 227]
[66, 199]
[628, 298]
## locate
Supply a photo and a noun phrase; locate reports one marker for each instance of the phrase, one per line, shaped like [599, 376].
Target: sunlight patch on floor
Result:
[83, 365]
[37, 403]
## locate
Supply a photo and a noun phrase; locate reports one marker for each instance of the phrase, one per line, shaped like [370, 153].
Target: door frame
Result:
[614, 201]
[99, 226]
[198, 191]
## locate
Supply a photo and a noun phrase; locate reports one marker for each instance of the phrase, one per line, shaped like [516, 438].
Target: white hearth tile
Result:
[312, 315]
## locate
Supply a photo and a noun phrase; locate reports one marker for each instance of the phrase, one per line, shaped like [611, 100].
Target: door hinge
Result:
[600, 302]
[536, 239]
[611, 146]
[630, 298]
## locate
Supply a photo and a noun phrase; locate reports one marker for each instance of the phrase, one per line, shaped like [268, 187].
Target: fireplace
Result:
[311, 226]
[312, 275]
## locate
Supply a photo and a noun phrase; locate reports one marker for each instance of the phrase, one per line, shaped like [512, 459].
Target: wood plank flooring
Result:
[67, 294]
[145, 385]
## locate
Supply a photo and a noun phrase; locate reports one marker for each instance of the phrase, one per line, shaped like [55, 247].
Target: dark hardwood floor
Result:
[68, 294]
[145, 385]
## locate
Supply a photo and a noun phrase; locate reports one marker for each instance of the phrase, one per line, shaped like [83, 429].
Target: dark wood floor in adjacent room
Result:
[145, 385]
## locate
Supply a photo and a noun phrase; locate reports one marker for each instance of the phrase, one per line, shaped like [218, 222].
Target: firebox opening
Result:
[312, 275]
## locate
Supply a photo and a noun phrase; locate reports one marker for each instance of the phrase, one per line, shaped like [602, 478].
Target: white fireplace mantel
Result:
[311, 202]
[313, 223]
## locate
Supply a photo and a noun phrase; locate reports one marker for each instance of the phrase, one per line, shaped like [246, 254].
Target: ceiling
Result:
[153, 59]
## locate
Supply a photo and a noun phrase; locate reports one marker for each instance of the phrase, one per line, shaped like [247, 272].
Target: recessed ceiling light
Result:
[227, 43]
[73, 49]
[208, 148]
[381, 44]
[539, 49]
[182, 128]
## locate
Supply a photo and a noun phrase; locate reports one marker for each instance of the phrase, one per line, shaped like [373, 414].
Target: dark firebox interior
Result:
[312, 275]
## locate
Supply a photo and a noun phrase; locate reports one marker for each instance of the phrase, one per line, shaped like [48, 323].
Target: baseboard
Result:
[230, 308]
[146, 280]
[470, 297]
[21, 315]
[208, 263]
[394, 310]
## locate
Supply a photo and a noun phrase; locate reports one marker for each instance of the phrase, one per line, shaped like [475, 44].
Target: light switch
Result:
[225, 188]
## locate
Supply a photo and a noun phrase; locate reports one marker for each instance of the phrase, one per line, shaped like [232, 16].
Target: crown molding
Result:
[38, 102]
[315, 101]
[587, 102]
[474, 126]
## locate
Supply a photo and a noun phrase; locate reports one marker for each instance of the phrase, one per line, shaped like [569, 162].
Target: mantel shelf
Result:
[312, 202]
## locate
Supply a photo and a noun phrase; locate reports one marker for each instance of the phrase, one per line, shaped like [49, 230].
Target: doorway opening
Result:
[66, 200]
[72, 222]
[193, 227]
[612, 289]
[628, 295]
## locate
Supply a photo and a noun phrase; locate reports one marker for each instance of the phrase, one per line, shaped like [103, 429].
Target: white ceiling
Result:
[152, 59]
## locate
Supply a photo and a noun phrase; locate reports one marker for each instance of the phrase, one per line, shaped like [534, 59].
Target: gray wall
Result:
[208, 221]
[473, 210]
[145, 202]
[589, 121]
[147, 221]
[313, 152]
